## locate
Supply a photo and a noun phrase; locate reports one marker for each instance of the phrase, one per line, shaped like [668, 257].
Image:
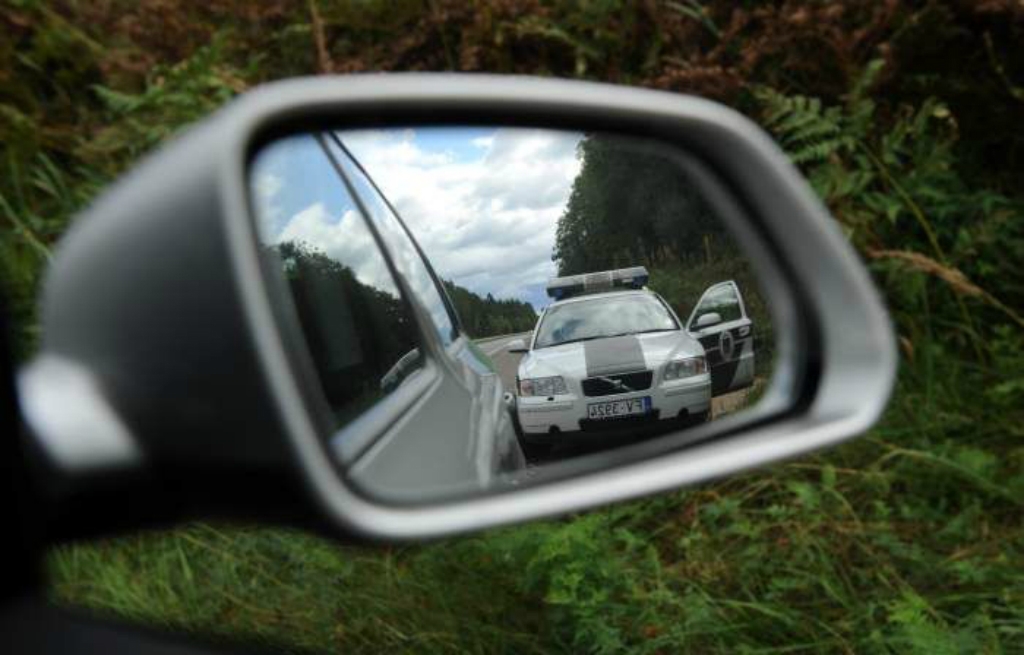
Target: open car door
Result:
[720, 323]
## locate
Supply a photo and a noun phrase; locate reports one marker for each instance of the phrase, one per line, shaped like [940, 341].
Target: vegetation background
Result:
[905, 114]
[632, 205]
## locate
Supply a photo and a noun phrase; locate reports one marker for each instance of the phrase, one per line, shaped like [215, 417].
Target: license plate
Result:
[617, 408]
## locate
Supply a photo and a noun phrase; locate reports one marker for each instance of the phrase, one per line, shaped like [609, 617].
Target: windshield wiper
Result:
[629, 334]
[562, 343]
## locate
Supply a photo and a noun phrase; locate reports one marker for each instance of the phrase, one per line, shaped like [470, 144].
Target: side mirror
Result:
[516, 346]
[707, 320]
[271, 301]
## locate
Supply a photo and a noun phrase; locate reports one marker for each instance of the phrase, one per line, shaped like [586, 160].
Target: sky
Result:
[482, 203]
[302, 199]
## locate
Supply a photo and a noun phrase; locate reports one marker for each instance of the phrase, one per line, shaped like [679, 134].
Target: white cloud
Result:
[484, 208]
[344, 239]
[268, 186]
[483, 142]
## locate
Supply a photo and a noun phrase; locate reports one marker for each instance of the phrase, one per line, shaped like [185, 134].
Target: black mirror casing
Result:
[148, 399]
[165, 359]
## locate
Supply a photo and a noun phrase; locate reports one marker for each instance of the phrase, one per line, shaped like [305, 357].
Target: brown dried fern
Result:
[952, 276]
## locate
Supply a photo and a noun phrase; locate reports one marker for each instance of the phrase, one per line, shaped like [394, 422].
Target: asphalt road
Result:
[507, 364]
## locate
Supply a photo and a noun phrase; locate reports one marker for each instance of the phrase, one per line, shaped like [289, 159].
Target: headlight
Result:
[551, 386]
[684, 368]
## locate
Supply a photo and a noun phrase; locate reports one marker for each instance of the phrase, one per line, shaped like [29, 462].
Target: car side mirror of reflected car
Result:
[707, 320]
[324, 288]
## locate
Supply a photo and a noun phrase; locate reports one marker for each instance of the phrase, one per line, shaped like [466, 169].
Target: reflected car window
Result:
[359, 332]
[403, 251]
[603, 317]
[723, 301]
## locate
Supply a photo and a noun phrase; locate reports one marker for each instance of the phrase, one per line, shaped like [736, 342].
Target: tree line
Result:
[636, 202]
[488, 316]
[356, 332]
[632, 203]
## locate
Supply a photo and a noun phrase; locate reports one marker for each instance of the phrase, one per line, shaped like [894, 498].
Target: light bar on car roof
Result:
[561, 288]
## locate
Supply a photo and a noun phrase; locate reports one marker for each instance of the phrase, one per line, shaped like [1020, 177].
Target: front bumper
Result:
[555, 415]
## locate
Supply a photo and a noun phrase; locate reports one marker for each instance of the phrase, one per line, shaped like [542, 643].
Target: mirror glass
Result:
[484, 308]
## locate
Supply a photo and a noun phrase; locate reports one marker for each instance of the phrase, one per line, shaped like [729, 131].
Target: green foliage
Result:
[488, 316]
[298, 592]
[908, 540]
[50, 173]
[36, 199]
[174, 96]
[681, 284]
[896, 190]
[357, 360]
[631, 204]
[808, 132]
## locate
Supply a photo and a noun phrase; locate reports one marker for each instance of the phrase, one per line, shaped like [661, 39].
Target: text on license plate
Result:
[617, 408]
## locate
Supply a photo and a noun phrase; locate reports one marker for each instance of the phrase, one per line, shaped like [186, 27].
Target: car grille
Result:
[605, 385]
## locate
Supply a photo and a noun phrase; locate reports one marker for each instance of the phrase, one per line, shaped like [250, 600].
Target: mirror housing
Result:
[159, 325]
[707, 320]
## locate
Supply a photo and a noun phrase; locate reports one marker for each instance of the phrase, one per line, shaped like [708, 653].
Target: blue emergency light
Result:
[560, 288]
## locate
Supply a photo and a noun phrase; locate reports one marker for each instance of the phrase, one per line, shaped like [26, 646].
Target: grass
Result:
[288, 588]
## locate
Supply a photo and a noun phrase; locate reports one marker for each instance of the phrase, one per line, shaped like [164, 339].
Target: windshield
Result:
[603, 317]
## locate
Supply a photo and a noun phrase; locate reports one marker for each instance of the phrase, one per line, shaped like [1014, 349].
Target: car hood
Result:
[609, 356]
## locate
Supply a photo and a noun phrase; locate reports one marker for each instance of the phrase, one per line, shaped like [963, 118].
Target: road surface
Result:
[507, 364]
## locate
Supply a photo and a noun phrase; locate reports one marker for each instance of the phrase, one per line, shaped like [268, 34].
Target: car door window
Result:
[722, 300]
[404, 252]
[360, 333]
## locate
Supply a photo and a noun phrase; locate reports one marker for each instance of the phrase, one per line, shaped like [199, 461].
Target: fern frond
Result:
[115, 100]
[807, 131]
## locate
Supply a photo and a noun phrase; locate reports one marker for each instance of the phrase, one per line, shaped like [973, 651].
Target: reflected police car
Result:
[610, 354]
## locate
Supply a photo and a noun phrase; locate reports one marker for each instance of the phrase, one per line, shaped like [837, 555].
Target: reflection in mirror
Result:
[354, 322]
[487, 308]
[516, 346]
[708, 319]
